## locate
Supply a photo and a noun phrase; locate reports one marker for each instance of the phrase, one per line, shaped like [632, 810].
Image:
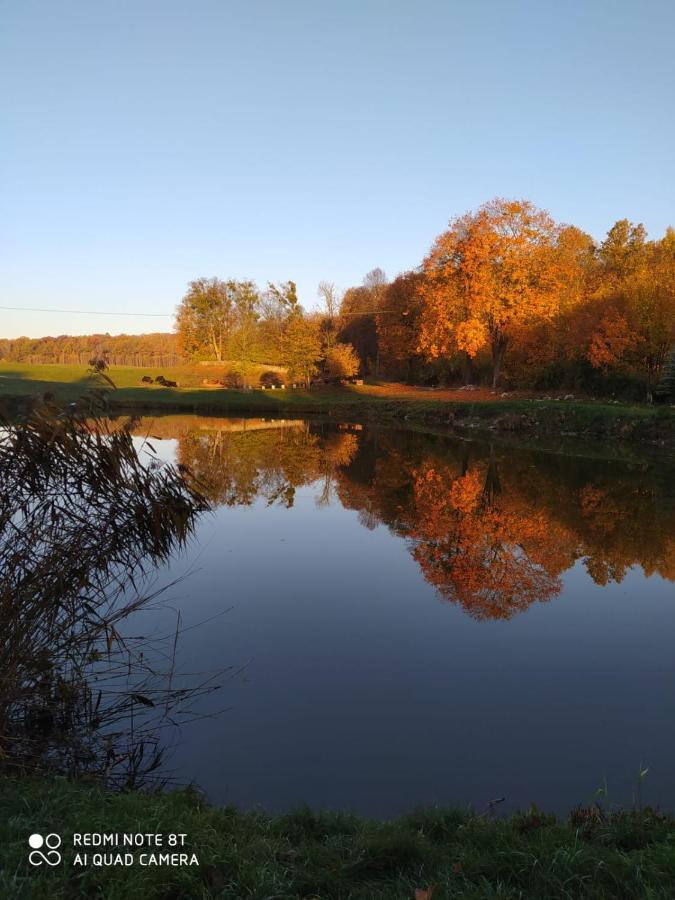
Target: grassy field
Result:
[516, 412]
[461, 855]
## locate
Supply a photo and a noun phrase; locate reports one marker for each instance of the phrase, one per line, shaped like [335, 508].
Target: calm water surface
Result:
[417, 619]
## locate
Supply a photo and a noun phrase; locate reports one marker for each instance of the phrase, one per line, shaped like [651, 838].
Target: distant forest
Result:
[156, 349]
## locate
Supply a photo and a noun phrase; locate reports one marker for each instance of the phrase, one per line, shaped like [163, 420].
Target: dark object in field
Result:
[233, 381]
[146, 379]
[165, 381]
[270, 379]
[339, 380]
[99, 363]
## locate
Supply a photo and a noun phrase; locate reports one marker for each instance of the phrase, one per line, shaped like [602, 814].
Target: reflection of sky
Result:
[362, 689]
[165, 449]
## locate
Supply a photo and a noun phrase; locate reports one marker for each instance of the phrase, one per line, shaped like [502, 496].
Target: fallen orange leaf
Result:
[425, 893]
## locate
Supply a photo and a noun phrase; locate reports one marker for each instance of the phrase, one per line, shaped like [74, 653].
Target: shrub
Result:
[342, 361]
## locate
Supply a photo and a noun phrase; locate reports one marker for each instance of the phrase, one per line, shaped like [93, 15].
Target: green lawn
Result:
[331, 855]
[69, 382]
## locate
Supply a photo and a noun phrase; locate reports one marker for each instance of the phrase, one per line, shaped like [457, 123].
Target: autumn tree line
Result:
[506, 297]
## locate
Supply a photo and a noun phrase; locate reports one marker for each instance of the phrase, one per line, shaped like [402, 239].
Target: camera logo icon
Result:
[50, 856]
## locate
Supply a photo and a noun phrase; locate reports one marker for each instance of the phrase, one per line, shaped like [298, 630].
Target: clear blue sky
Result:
[147, 142]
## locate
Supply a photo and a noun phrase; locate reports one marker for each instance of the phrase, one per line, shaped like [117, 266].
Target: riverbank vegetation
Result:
[505, 297]
[85, 519]
[428, 855]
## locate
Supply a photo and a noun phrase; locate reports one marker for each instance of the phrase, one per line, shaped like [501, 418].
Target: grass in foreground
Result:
[333, 855]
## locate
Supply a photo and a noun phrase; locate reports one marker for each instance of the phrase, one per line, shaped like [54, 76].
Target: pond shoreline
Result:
[516, 413]
[592, 853]
[518, 418]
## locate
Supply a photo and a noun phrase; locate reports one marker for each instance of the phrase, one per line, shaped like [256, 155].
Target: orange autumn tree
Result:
[341, 361]
[613, 341]
[635, 327]
[491, 272]
[397, 323]
[559, 339]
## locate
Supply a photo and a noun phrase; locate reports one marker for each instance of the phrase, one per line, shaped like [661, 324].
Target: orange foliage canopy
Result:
[636, 326]
[397, 324]
[490, 272]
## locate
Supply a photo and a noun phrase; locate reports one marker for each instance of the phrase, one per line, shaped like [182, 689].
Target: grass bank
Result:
[516, 413]
[331, 855]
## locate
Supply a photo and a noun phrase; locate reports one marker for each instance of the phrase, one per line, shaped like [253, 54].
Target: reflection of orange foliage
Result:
[607, 516]
[496, 535]
[666, 565]
[340, 449]
[492, 532]
[465, 492]
[600, 509]
[476, 550]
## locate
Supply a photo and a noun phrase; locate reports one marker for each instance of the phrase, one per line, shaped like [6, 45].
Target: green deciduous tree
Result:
[244, 345]
[301, 348]
[205, 317]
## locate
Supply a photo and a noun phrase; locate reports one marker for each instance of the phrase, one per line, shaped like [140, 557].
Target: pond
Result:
[415, 618]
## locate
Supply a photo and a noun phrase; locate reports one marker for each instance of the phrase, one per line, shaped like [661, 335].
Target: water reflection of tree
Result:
[494, 531]
[82, 522]
[471, 546]
[476, 547]
[236, 467]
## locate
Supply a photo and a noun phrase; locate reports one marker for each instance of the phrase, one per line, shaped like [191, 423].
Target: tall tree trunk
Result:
[498, 347]
[215, 345]
[467, 369]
